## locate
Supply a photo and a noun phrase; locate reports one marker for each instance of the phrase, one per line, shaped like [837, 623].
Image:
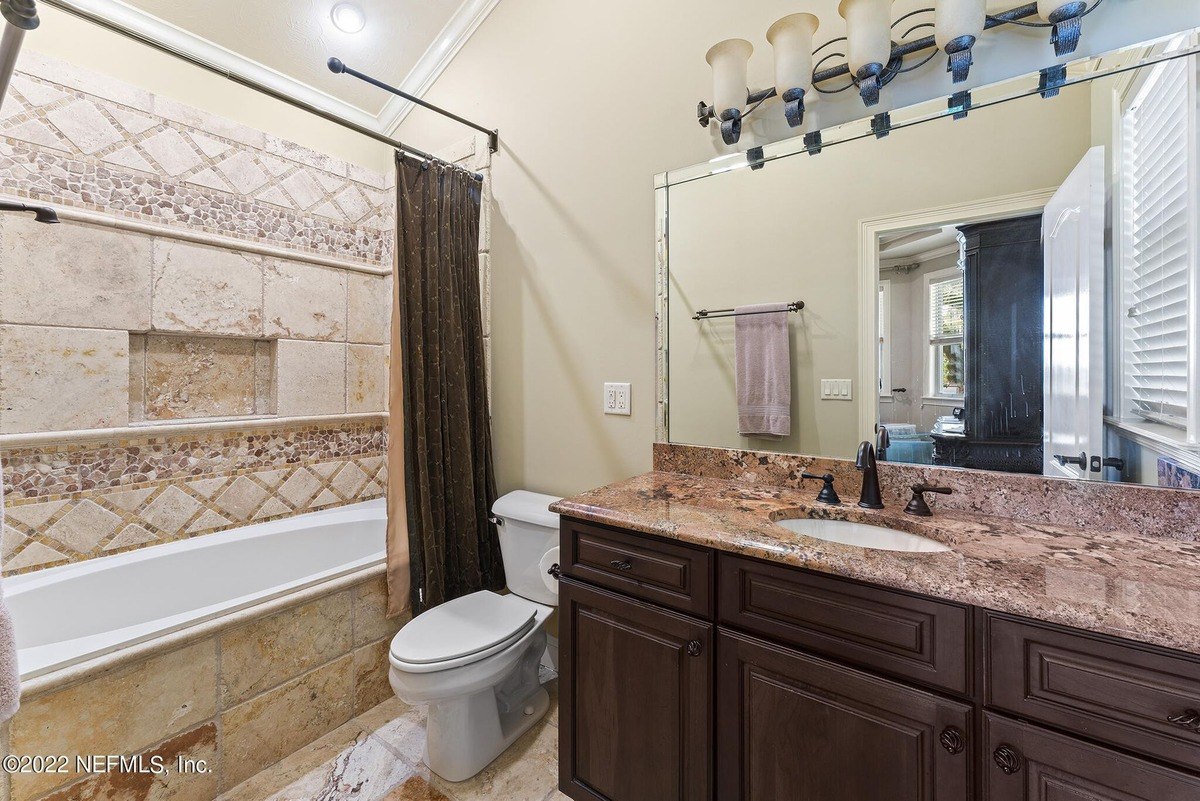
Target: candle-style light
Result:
[958, 24]
[1067, 18]
[869, 32]
[729, 61]
[791, 39]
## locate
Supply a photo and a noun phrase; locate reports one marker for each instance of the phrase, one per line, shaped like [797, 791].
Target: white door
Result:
[1073, 242]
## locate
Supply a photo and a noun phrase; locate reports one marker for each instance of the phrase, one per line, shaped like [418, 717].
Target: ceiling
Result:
[285, 44]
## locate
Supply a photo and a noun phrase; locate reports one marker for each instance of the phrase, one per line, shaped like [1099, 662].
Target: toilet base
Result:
[464, 735]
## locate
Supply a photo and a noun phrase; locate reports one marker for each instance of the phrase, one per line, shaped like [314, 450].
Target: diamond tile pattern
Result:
[100, 522]
[40, 113]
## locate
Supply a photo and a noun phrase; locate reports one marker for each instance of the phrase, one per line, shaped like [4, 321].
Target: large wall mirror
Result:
[1016, 290]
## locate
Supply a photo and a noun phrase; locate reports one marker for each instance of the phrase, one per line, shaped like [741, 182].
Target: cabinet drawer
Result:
[1101, 688]
[907, 636]
[1025, 763]
[671, 574]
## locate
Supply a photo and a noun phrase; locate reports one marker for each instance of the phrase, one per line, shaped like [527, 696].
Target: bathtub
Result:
[71, 614]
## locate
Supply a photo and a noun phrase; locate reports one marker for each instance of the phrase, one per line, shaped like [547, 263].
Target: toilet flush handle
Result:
[555, 571]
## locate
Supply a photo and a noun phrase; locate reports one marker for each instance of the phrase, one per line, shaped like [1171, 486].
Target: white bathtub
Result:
[70, 614]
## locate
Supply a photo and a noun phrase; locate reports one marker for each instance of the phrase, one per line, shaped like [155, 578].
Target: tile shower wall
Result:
[220, 273]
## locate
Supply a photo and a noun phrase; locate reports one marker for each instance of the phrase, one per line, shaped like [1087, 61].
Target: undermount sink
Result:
[863, 535]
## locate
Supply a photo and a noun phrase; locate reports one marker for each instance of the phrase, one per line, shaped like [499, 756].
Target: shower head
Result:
[43, 214]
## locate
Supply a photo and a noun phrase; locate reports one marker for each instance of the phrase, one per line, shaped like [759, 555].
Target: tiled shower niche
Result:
[181, 377]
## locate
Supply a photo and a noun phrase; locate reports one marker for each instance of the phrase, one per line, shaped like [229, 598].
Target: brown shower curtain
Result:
[441, 486]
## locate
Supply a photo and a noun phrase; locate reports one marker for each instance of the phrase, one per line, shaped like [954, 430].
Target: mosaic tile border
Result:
[1148, 511]
[46, 533]
[74, 136]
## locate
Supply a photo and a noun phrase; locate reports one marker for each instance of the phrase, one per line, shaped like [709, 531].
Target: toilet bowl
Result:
[474, 661]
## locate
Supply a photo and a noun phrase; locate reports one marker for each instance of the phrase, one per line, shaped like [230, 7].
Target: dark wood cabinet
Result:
[819, 688]
[1025, 763]
[635, 703]
[790, 725]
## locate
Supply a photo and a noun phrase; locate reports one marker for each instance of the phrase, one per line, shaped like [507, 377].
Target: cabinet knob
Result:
[694, 648]
[621, 564]
[1007, 759]
[952, 740]
[1187, 719]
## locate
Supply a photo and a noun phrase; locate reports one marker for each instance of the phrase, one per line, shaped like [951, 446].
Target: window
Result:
[885, 339]
[1159, 234]
[946, 367]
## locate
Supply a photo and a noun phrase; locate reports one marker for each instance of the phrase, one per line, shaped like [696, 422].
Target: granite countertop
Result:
[1114, 582]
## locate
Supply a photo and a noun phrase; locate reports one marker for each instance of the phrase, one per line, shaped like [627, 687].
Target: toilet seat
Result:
[462, 631]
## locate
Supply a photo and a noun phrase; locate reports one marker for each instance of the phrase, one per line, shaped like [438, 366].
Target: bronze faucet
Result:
[870, 497]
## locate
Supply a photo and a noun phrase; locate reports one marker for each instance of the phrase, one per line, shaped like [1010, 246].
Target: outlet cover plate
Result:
[616, 399]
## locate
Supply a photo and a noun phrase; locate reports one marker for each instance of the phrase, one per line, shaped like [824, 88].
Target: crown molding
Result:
[464, 22]
[435, 59]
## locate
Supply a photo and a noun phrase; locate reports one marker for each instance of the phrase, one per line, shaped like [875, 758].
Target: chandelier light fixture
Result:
[873, 58]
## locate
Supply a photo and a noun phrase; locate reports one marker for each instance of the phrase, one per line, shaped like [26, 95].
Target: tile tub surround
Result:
[1110, 580]
[241, 698]
[66, 503]
[76, 137]
[1148, 511]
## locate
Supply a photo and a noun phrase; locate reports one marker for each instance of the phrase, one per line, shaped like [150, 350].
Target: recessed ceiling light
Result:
[348, 18]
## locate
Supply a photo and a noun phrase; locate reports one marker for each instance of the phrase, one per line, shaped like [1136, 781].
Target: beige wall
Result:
[790, 231]
[591, 102]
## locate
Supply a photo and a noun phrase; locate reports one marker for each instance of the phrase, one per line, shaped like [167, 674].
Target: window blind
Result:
[1157, 230]
[946, 309]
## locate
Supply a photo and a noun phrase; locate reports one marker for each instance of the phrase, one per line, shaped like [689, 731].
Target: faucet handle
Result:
[917, 506]
[827, 494]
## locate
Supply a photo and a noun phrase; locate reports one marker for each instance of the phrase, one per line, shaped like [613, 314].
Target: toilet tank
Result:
[527, 531]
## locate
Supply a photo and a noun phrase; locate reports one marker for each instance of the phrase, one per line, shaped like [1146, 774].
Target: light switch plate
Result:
[616, 399]
[840, 389]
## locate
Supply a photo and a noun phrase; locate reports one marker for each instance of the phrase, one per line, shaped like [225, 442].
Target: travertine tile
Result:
[84, 527]
[74, 275]
[188, 377]
[171, 510]
[55, 379]
[241, 498]
[304, 301]
[33, 515]
[124, 711]
[198, 784]
[267, 652]
[34, 554]
[300, 487]
[366, 378]
[272, 725]
[371, 666]
[369, 306]
[371, 622]
[310, 377]
[349, 480]
[205, 289]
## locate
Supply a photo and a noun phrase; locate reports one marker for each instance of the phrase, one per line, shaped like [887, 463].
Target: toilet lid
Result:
[480, 623]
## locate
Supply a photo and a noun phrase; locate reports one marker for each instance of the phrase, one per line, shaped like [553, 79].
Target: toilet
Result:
[475, 661]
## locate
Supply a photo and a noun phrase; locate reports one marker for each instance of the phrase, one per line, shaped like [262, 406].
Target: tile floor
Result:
[377, 757]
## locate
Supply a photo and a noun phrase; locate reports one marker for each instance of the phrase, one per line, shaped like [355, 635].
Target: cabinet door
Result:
[793, 726]
[635, 705]
[1025, 763]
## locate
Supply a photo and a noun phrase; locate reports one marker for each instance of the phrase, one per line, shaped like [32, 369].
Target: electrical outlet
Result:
[840, 389]
[616, 399]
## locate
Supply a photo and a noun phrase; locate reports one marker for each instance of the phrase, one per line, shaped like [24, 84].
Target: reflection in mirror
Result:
[1016, 291]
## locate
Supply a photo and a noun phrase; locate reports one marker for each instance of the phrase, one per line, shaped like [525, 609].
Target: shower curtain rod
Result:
[115, 27]
[337, 66]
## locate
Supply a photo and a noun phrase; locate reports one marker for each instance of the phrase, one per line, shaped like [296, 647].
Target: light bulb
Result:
[348, 18]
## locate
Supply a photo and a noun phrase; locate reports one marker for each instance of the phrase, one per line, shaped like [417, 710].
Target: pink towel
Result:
[762, 353]
[10, 677]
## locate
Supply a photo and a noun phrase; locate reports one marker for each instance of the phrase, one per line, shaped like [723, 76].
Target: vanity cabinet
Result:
[690, 674]
[638, 722]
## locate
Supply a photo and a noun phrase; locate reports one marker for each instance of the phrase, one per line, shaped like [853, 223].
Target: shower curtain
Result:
[441, 544]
